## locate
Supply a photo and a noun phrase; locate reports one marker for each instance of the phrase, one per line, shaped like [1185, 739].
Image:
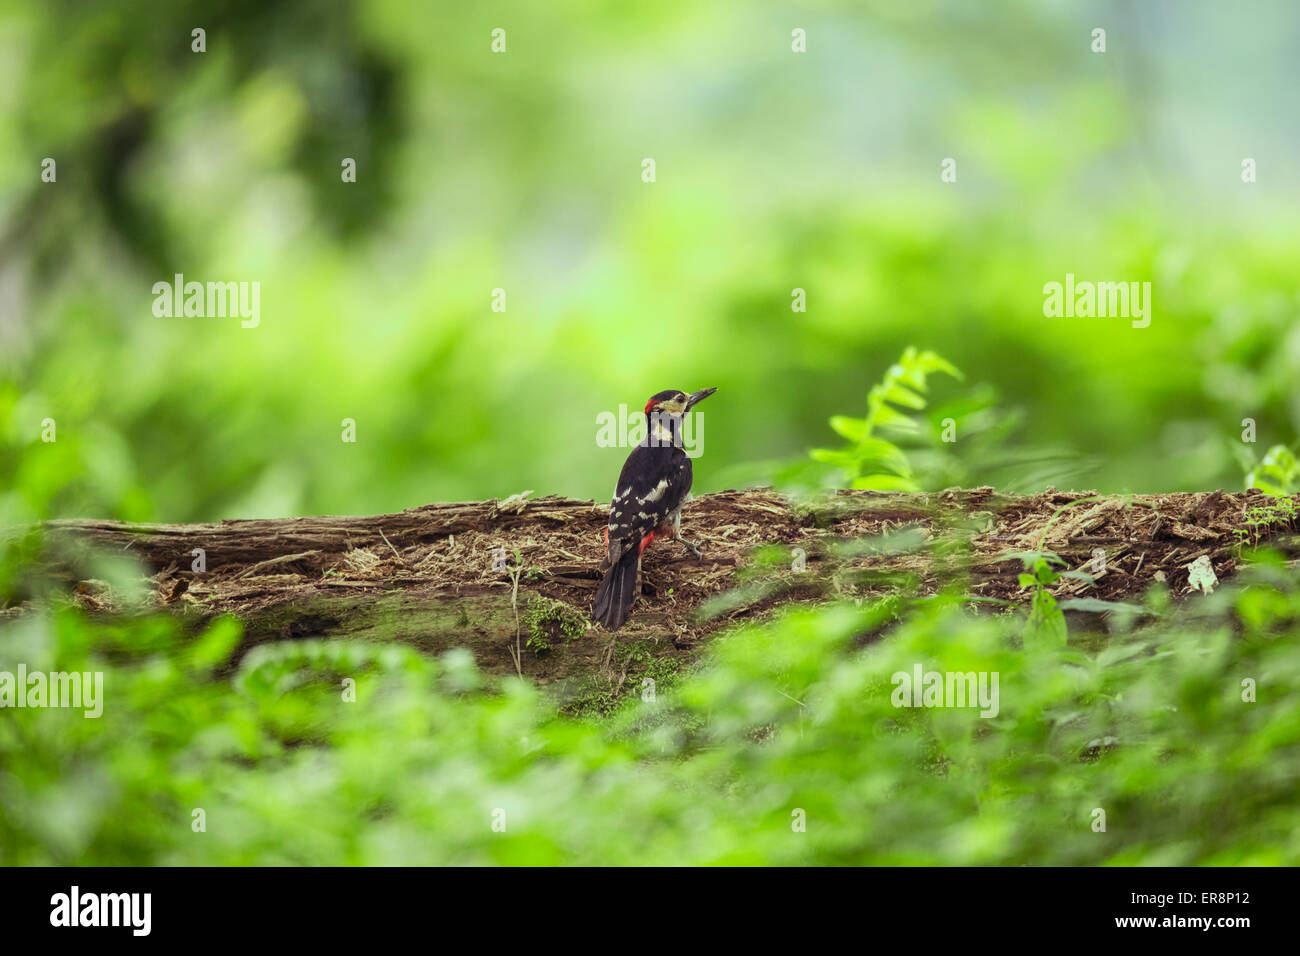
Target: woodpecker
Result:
[647, 502]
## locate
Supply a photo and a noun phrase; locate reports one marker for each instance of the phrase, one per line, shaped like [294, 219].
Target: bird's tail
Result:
[616, 591]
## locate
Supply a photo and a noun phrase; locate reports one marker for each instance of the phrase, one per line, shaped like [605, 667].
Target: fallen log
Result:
[512, 580]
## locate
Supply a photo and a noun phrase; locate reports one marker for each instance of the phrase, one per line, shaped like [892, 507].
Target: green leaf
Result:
[900, 395]
[1278, 474]
[1046, 625]
[854, 429]
[887, 417]
[844, 458]
[933, 362]
[217, 644]
[879, 451]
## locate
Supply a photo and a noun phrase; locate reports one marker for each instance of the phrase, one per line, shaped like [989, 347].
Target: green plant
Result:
[1046, 622]
[1278, 473]
[869, 461]
[1046, 625]
[1258, 520]
[791, 714]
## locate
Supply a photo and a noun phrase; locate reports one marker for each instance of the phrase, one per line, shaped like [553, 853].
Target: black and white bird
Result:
[652, 486]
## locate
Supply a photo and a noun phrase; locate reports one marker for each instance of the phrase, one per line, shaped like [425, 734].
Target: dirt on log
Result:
[513, 580]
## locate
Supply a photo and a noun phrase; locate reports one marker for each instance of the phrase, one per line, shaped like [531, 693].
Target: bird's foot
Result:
[691, 546]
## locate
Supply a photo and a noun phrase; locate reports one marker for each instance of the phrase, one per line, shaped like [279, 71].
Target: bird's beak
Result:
[697, 397]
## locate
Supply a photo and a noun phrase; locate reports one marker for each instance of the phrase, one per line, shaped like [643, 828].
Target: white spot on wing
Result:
[656, 493]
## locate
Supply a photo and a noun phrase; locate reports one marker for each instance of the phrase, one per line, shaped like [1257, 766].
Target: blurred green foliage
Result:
[776, 172]
[521, 171]
[785, 721]
[1278, 473]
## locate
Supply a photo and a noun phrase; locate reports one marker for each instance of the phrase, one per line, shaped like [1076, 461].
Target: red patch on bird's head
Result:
[664, 396]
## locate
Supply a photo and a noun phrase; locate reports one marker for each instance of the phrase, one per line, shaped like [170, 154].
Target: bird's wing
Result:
[652, 485]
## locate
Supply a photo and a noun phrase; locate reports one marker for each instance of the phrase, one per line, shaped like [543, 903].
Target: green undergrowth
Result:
[784, 744]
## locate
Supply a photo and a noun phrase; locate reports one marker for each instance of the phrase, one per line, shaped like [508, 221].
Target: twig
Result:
[390, 546]
[516, 652]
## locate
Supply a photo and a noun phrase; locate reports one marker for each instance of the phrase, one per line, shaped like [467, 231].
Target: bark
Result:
[512, 580]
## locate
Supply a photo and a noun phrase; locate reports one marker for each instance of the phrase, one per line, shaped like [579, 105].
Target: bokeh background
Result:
[522, 171]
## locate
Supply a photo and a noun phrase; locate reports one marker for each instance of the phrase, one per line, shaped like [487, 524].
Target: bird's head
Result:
[674, 402]
[665, 412]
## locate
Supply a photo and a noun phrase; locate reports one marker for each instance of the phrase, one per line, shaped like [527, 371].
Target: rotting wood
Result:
[432, 575]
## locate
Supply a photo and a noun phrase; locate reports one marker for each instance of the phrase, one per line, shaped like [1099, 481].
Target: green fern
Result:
[869, 461]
